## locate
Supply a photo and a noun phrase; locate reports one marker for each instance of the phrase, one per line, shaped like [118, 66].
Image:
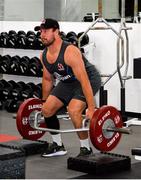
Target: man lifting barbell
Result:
[79, 81]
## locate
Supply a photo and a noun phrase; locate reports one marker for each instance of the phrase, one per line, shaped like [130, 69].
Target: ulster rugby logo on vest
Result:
[60, 67]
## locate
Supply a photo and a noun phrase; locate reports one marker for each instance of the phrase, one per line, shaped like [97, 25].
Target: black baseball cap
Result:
[47, 24]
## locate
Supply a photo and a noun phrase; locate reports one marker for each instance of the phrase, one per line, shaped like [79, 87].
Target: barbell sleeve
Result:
[123, 130]
[36, 126]
[59, 116]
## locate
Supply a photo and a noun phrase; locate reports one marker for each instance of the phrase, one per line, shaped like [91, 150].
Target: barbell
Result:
[105, 127]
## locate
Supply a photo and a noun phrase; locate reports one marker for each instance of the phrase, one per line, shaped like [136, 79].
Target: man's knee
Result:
[47, 110]
[74, 111]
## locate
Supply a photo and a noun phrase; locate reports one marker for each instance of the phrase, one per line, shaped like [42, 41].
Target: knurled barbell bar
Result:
[105, 127]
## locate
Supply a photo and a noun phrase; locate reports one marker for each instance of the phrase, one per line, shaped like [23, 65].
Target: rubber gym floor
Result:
[56, 167]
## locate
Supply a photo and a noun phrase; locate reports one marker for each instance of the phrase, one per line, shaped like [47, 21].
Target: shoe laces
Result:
[52, 146]
[84, 151]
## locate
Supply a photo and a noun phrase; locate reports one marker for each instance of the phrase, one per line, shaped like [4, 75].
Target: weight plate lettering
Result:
[24, 127]
[103, 117]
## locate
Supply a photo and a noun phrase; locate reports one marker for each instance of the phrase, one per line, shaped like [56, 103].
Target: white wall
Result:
[75, 10]
[1, 9]
[103, 56]
[110, 9]
[53, 9]
[62, 10]
[71, 10]
[23, 10]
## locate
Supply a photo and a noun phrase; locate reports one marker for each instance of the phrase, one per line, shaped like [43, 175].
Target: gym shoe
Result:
[54, 150]
[84, 151]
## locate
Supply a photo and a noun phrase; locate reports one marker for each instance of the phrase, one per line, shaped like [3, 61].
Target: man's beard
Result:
[48, 43]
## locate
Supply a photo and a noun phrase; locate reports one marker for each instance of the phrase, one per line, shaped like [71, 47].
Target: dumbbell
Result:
[35, 67]
[3, 84]
[73, 40]
[15, 65]
[1, 104]
[70, 33]
[12, 105]
[5, 64]
[38, 91]
[12, 33]
[21, 39]
[0, 58]
[30, 33]
[0, 40]
[12, 39]
[7, 89]
[85, 39]
[38, 42]
[16, 92]
[31, 39]
[4, 39]
[88, 18]
[28, 91]
[24, 65]
[72, 37]
[63, 36]
[38, 34]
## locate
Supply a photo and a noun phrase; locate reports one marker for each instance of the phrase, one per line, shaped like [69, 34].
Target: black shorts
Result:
[72, 90]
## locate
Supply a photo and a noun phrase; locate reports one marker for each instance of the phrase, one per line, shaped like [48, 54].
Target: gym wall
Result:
[27, 10]
[62, 10]
[102, 53]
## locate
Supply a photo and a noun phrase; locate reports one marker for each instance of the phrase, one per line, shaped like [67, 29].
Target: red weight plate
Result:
[98, 139]
[23, 125]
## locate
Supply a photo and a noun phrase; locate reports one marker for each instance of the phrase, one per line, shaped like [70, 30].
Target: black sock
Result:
[52, 123]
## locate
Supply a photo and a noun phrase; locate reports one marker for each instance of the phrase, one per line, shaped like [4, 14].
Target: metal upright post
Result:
[136, 11]
[103, 99]
[100, 8]
[122, 91]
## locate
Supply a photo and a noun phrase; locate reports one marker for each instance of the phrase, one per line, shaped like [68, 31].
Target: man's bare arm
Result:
[74, 59]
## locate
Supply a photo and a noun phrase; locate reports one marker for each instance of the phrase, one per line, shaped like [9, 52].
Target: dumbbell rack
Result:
[18, 44]
[20, 52]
